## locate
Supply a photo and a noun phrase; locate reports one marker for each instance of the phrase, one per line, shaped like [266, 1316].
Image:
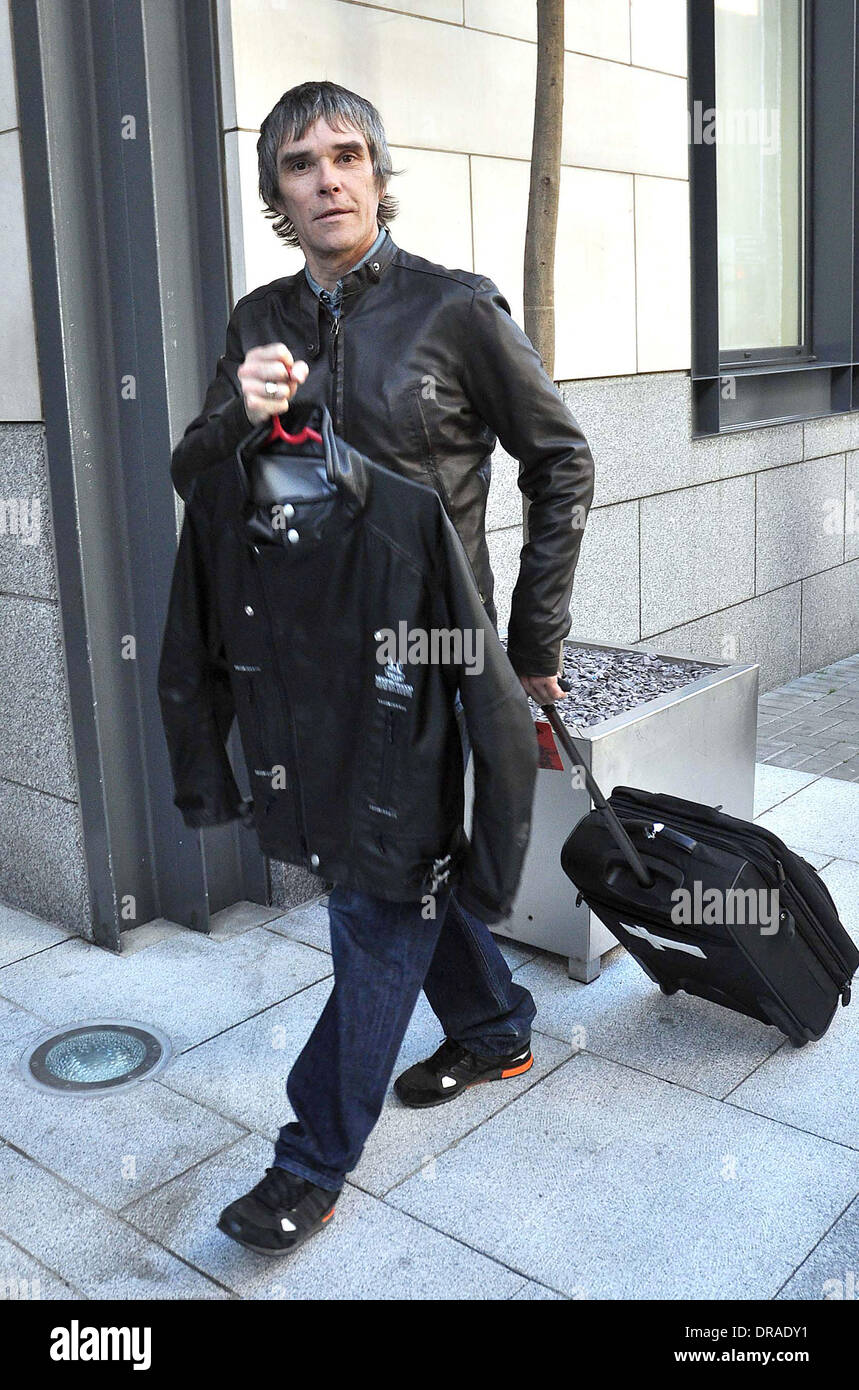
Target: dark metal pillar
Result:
[121, 145]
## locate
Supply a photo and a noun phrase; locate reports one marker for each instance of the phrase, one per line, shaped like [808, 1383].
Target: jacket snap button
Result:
[375, 265]
[249, 610]
[292, 536]
[314, 860]
[289, 510]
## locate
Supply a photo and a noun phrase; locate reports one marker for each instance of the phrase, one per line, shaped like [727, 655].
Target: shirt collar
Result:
[337, 292]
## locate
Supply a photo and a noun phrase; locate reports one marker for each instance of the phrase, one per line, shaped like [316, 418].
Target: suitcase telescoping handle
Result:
[616, 830]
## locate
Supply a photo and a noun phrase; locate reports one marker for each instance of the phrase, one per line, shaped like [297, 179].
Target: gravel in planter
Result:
[607, 682]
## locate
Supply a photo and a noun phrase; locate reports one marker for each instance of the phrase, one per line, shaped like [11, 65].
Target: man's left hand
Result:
[544, 690]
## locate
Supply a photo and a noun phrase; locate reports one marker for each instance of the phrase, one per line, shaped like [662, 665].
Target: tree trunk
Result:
[539, 276]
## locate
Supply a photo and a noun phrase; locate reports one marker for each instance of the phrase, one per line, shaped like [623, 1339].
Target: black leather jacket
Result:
[424, 370]
[356, 766]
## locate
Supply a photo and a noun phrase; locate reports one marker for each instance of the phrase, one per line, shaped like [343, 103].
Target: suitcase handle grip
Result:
[616, 830]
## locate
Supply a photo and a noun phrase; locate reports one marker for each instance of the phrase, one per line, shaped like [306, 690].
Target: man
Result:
[421, 368]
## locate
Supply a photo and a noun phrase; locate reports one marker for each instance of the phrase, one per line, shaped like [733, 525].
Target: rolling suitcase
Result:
[710, 904]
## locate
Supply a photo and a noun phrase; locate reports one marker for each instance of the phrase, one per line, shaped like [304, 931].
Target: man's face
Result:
[329, 169]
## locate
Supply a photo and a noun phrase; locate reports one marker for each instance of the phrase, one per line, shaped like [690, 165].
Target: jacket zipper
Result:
[252, 695]
[387, 758]
[298, 796]
[334, 364]
[430, 461]
[438, 482]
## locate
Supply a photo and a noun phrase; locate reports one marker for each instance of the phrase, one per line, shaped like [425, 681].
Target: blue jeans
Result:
[383, 954]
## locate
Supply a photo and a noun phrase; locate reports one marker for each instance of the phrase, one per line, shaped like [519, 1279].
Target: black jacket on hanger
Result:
[297, 558]
[423, 372]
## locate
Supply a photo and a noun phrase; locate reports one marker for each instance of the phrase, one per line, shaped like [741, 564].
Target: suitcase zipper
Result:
[812, 937]
[809, 932]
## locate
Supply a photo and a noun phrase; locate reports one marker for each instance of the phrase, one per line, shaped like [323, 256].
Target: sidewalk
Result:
[658, 1149]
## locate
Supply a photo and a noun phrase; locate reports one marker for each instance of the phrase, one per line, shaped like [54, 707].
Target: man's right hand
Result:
[271, 362]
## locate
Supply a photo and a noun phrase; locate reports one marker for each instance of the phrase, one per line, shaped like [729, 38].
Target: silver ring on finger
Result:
[271, 388]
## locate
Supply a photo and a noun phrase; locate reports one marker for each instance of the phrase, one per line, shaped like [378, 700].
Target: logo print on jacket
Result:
[394, 679]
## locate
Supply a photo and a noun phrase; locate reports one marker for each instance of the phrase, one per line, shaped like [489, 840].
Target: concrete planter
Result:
[697, 741]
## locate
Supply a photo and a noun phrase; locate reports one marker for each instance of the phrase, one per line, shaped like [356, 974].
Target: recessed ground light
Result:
[95, 1058]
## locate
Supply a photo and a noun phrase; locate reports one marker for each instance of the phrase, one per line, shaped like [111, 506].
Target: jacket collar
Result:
[381, 236]
[345, 467]
[313, 313]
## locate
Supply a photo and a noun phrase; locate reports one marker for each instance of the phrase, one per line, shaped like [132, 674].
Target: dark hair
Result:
[299, 108]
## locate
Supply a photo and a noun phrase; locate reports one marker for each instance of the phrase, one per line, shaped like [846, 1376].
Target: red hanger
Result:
[278, 432]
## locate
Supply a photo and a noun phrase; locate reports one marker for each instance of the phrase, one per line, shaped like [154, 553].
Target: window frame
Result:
[763, 380]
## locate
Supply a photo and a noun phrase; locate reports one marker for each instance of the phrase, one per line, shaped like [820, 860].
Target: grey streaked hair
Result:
[298, 109]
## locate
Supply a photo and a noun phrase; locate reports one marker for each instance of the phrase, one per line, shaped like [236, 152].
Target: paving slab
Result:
[805, 760]
[26, 1280]
[823, 816]
[623, 1015]
[22, 934]
[189, 985]
[813, 728]
[368, 1250]
[308, 923]
[622, 1186]
[239, 917]
[831, 1271]
[798, 748]
[147, 935]
[815, 858]
[515, 953]
[113, 1146]
[16, 1023]
[776, 784]
[533, 1293]
[841, 877]
[785, 697]
[242, 1074]
[845, 727]
[94, 1250]
[765, 750]
[824, 704]
[405, 1140]
[812, 1087]
[847, 771]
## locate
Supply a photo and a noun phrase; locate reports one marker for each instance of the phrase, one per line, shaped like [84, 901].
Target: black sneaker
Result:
[279, 1214]
[452, 1069]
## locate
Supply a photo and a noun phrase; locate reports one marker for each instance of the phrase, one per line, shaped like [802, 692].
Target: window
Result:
[772, 88]
[760, 177]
